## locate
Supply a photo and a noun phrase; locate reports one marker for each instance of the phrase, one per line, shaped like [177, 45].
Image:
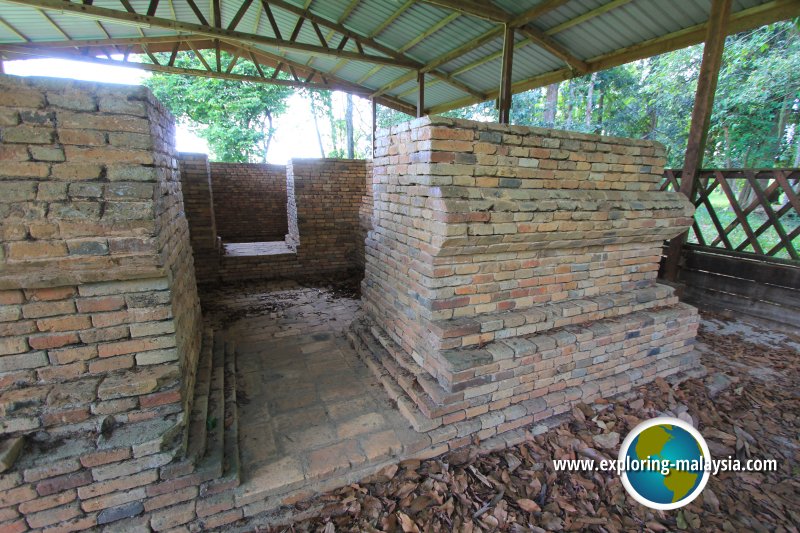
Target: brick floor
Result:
[310, 411]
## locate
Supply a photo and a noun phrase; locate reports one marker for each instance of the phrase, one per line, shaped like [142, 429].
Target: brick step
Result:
[570, 355]
[472, 331]
[210, 465]
[231, 465]
[539, 407]
[198, 419]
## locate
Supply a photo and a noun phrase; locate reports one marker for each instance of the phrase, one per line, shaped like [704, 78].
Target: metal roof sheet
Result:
[417, 33]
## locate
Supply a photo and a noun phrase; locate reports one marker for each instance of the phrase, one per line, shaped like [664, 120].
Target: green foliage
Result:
[756, 117]
[235, 117]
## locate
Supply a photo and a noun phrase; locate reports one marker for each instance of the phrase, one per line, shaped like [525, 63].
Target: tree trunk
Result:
[590, 100]
[780, 127]
[348, 118]
[551, 104]
[316, 126]
[600, 102]
[570, 105]
[797, 151]
[268, 134]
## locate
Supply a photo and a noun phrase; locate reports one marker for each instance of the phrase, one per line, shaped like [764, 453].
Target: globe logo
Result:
[664, 463]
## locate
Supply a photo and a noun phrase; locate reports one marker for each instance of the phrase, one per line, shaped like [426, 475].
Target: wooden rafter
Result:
[20, 51]
[482, 10]
[589, 15]
[199, 29]
[548, 43]
[366, 41]
[481, 40]
[744, 20]
[535, 12]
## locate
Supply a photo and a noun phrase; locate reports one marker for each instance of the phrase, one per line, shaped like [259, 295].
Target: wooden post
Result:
[2, 65]
[701, 116]
[420, 94]
[505, 74]
[374, 125]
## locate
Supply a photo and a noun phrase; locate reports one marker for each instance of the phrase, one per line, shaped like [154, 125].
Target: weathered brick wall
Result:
[365, 216]
[198, 199]
[504, 262]
[326, 197]
[99, 313]
[249, 201]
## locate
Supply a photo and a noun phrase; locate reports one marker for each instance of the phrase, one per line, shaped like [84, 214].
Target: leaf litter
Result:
[752, 411]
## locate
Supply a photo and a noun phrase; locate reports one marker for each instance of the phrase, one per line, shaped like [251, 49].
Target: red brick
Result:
[102, 303]
[69, 416]
[102, 366]
[170, 498]
[61, 372]
[160, 398]
[222, 519]
[104, 457]
[62, 483]
[51, 469]
[53, 340]
[53, 293]
[64, 323]
[134, 346]
[11, 297]
[53, 516]
[47, 502]
[172, 485]
[24, 250]
[17, 495]
[65, 356]
[113, 485]
[17, 526]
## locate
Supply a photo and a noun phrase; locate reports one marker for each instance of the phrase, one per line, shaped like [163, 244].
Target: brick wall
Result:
[325, 196]
[508, 265]
[249, 201]
[365, 216]
[99, 313]
[326, 204]
[198, 199]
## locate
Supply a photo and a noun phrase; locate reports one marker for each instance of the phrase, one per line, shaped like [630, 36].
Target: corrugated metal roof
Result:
[473, 75]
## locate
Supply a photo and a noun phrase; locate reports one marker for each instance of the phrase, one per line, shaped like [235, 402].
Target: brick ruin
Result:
[508, 273]
[511, 272]
[249, 201]
[318, 202]
[100, 316]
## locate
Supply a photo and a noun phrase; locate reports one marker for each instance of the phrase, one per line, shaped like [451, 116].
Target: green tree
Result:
[235, 117]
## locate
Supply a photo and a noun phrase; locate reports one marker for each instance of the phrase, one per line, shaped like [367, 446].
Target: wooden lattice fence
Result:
[755, 211]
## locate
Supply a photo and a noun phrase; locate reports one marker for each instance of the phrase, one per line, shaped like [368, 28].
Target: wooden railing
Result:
[755, 212]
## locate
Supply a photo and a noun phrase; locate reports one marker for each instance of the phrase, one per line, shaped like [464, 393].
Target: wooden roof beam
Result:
[371, 43]
[482, 10]
[747, 19]
[199, 29]
[716, 31]
[535, 12]
[546, 42]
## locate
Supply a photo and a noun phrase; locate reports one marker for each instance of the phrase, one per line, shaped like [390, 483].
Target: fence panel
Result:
[755, 211]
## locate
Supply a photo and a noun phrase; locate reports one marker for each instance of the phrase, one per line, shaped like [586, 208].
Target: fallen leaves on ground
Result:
[753, 414]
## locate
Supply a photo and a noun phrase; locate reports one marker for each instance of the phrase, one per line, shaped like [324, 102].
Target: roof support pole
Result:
[374, 125]
[505, 74]
[2, 66]
[701, 116]
[420, 94]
